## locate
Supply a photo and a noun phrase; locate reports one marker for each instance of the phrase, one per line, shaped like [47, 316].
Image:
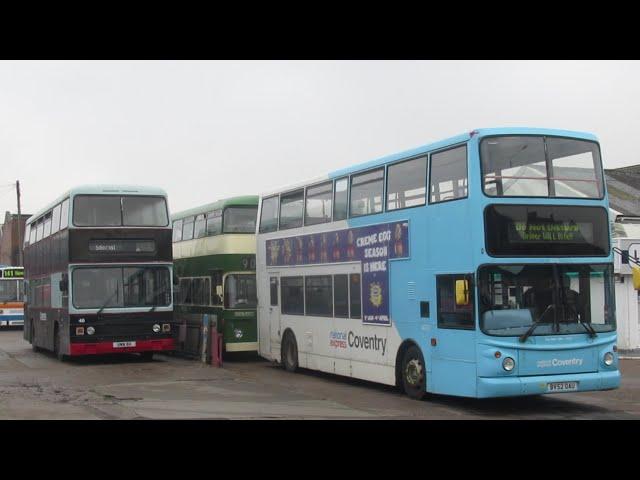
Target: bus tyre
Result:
[32, 336]
[289, 353]
[56, 345]
[413, 373]
[147, 356]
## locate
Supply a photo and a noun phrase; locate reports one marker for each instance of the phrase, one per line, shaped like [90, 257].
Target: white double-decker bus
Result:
[477, 266]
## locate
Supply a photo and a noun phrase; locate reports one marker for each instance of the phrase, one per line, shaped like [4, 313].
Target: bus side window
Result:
[292, 290]
[187, 228]
[65, 292]
[177, 230]
[366, 193]
[273, 290]
[450, 313]
[27, 234]
[269, 215]
[341, 199]
[407, 184]
[340, 296]
[355, 296]
[64, 214]
[291, 209]
[449, 174]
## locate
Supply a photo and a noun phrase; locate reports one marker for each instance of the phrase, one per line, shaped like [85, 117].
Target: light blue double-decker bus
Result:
[477, 266]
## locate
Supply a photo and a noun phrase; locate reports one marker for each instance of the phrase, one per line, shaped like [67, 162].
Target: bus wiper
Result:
[108, 300]
[587, 326]
[527, 334]
[590, 329]
[160, 290]
[116, 292]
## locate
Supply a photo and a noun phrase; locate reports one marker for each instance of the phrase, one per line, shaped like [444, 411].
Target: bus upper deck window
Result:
[147, 211]
[291, 207]
[214, 222]
[540, 166]
[341, 200]
[407, 184]
[366, 193]
[200, 226]
[177, 230]
[187, 228]
[269, 215]
[97, 210]
[64, 215]
[449, 174]
[55, 219]
[318, 204]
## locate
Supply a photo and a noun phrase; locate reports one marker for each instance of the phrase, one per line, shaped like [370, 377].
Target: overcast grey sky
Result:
[210, 129]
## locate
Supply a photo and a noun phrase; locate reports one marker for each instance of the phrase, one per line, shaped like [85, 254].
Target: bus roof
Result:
[481, 132]
[99, 190]
[239, 201]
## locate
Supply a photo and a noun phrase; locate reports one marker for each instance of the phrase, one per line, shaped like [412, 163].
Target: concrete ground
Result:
[37, 386]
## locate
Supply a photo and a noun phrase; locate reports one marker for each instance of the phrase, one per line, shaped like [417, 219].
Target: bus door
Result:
[453, 358]
[272, 335]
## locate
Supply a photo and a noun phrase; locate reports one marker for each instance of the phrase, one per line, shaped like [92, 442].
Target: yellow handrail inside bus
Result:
[462, 292]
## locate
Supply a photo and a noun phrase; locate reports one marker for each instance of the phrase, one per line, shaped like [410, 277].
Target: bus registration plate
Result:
[123, 344]
[562, 387]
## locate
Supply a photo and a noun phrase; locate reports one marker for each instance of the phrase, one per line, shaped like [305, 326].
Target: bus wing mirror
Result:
[462, 292]
[636, 277]
[219, 290]
[64, 285]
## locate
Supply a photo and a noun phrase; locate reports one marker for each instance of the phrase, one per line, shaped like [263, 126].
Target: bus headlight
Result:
[156, 328]
[608, 359]
[238, 333]
[91, 330]
[508, 364]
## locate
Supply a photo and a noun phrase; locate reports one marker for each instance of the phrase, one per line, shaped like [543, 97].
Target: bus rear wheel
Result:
[56, 345]
[32, 336]
[289, 353]
[413, 373]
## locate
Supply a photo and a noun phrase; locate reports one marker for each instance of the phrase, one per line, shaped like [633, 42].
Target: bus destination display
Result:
[536, 232]
[12, 273]
[544, 230]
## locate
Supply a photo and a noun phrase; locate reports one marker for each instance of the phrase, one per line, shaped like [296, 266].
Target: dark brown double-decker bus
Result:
[98, 273]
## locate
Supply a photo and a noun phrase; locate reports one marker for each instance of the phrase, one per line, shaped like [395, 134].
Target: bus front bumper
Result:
[538, 384]
[98, 348]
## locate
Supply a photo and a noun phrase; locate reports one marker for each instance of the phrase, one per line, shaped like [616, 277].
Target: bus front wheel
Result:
[289, 353]
[413, 373]
[147, 356]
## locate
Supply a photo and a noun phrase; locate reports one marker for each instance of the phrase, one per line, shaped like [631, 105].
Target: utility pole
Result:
[20, 263]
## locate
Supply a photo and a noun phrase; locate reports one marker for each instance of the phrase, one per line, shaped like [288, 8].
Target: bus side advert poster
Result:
[373, 246]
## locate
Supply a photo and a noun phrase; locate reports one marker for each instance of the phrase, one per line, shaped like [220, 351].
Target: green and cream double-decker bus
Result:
[214, 252]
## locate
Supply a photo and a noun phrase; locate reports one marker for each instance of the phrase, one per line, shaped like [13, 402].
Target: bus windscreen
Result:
[536, 230]
[115, 211]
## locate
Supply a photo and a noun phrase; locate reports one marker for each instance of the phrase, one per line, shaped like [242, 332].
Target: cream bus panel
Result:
[227, 243]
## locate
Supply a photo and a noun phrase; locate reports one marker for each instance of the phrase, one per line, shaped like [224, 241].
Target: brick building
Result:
[10, 231]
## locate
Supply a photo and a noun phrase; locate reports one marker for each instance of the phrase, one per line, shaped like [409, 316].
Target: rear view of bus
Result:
[98, 267]
[11, 296]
